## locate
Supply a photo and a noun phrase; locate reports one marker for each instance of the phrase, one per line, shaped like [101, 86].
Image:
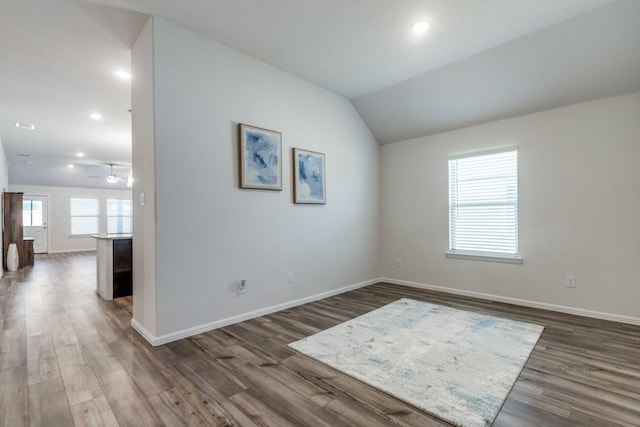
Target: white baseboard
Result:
[70, 250]
[185, 333]
[517, 301]
[174, 336]
[143, 331]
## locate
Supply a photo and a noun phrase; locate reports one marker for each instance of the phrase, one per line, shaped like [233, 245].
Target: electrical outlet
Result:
[570, 281]
[242, 287]
[399, 262]
[290, 278]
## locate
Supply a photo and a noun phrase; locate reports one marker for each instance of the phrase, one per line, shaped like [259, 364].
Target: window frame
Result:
[465, 254]
[72, 216]
[130, 216]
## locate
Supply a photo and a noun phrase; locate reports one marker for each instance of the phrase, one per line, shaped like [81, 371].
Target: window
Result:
[32, 213]
[84, 216]
[483, 206]
[118, 216]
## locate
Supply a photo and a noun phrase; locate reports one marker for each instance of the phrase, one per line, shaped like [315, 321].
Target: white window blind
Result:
[483, 204]
[84, 216]
[118, 216]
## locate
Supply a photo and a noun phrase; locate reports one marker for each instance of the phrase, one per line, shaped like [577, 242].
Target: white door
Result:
[34, 220]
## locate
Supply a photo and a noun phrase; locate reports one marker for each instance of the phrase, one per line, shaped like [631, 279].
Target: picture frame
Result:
[260, 155]
[309, 177]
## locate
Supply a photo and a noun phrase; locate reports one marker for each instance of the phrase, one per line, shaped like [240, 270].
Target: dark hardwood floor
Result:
[68, 357]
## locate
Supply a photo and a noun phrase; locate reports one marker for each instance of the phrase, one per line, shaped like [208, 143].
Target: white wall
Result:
[59, 225]
[209, 233]
[143, 155]
[579, 208]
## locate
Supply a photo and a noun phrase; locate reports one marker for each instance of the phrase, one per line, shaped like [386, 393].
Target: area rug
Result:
[455, 364]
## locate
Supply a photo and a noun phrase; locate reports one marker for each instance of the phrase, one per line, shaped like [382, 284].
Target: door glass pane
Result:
[36, 213]
[26, 213]
[32, 213]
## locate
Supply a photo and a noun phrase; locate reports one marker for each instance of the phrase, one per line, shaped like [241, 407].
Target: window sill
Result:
[489, 257]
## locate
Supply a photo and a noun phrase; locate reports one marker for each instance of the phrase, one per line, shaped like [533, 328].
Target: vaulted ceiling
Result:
[479, 61]
[591, 56]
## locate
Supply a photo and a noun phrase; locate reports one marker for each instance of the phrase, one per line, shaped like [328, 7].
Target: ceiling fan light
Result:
[112, 178]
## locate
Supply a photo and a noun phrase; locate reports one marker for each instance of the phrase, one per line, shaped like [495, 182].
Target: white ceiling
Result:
[591, 56]
[354, 47]
[58, 60]
[57, 66]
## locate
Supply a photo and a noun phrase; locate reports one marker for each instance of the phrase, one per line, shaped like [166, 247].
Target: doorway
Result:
[34, 220]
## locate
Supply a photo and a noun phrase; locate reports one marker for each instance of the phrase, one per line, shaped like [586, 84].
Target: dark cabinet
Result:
[114, 261]
[28, 252]
[122, 266]
[12, 231]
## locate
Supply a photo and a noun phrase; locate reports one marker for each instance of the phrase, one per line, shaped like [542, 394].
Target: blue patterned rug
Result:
[455, 364]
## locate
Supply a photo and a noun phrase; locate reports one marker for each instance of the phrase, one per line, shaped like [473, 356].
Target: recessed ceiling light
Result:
[124, 75]
[95, 116]
[78, 154]
[420, 27]
[70, 166]
[25, 126]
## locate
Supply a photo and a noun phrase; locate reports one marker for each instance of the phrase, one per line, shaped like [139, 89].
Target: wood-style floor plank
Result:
[67, 357]
[14, 395]
[201, 395]
[48, 405]
[174, 409]
[80, 383]
[127, 401]
[95, 412]
[142, 370]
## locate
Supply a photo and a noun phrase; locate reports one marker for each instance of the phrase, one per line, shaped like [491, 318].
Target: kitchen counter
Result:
[112, 236]
[114, 265]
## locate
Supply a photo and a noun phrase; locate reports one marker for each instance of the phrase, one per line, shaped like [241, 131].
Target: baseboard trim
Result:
[70, 251]
[143, 331]
[185, 333]
[516, 301]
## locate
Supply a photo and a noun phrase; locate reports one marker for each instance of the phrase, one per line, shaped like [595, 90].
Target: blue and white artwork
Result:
[260, 158]
[309, 177]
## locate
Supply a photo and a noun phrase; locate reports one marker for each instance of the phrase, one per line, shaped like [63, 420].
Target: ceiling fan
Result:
[111, 177]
